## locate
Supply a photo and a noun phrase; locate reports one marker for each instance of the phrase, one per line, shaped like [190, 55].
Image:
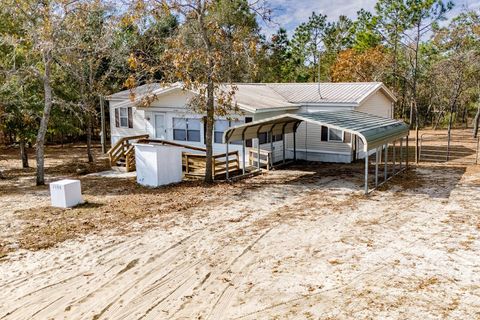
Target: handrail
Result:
[121, 147]
[130, 158]
[175, 144]
[195, 164]
[253, 157]
[215, 156]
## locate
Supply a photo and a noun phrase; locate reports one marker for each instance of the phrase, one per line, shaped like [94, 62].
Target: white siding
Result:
[139, 125]
[172, 105]
[310, 147]
[377, 104]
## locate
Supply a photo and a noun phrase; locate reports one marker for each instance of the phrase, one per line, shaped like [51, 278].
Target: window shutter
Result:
[117, 118]
[130, 118]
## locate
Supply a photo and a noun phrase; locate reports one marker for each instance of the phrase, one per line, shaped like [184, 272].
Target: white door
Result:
[160, 131]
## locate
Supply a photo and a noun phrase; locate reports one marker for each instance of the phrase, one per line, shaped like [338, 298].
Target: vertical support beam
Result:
[376, 165]
[103, 130]
[406, 160]
[295, 145]
[226, 163]
[366, 173]
[271, 147]
[283, 144]
[386, 162]
[243, 153]
[394, 155]
[258, 153]
[401, 152]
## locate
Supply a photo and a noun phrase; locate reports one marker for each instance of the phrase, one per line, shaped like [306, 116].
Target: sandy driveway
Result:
[304, 246]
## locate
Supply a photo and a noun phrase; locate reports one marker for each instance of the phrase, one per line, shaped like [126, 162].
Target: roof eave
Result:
[379, 86]
[252, 109]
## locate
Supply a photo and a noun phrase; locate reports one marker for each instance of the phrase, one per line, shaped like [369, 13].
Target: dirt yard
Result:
[298, 243]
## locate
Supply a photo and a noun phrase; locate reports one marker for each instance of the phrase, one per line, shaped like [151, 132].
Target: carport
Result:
[374, 133]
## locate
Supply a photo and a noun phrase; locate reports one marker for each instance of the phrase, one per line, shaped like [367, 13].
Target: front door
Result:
[160, 132]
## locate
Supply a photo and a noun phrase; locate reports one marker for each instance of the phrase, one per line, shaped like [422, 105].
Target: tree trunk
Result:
[209, 127]
[476, 121]
[449, 134]
[89, 137]
[42, 130]
[415, 76]
[23, 153]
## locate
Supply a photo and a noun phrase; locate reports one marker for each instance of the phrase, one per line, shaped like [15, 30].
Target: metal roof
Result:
[262, 97]
[139, 91]
[350, 93]
[258, 98]
[373, 130]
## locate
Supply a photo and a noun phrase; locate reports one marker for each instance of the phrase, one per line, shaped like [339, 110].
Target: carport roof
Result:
[373, 130]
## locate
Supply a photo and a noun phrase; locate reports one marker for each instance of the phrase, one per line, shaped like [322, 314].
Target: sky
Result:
[290, 13]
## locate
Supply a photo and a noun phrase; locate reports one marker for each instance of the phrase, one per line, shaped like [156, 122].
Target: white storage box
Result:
[66, 193]
[158, 165]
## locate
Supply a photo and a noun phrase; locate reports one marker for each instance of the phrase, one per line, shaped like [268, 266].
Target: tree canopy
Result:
[57, 58]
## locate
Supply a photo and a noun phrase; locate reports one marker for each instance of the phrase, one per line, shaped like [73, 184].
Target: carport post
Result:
[394, 146]
[295, 145]
[226, 163]
[401, 152]
[271, 147]
[386, 162]
[243, 152]
[376, 166]
[406, 160]
[258, 153]
[366, 173]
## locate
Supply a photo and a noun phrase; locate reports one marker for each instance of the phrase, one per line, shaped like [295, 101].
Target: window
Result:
[220, 127]
[186, 129]
[335, 135]
[123, 117]
[324, 135]
[264, 137]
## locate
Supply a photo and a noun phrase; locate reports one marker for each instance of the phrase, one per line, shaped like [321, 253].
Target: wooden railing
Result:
[130, 159]
[171, 143]
[195, 164]
[123, 150]
[265, 158]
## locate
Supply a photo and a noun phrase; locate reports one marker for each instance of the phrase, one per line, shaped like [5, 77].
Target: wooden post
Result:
[103, 129]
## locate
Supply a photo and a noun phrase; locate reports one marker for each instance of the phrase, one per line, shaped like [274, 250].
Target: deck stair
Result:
[122, 154]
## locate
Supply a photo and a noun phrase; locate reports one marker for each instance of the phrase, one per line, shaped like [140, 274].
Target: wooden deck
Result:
[194, 162]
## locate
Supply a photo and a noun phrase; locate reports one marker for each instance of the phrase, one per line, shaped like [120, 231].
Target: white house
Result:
[169, 117]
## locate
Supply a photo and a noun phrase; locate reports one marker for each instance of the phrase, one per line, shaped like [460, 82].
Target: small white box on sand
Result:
[66, 193]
